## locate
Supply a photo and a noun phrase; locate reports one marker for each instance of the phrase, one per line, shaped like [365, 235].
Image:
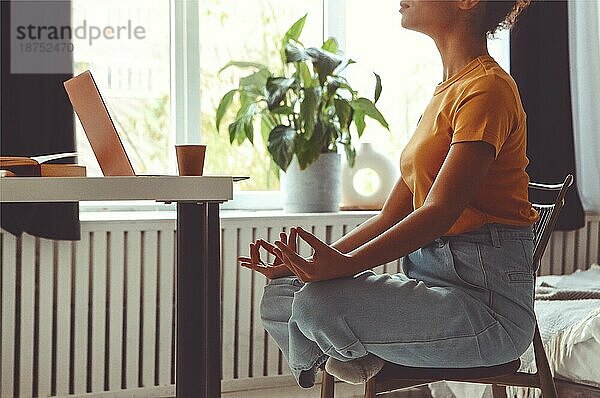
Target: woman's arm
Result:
[397, 206]
[461, 175]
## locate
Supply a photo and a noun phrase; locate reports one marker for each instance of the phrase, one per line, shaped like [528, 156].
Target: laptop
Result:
[99, 127]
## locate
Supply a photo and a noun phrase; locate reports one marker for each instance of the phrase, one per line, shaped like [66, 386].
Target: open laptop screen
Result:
[98, 126]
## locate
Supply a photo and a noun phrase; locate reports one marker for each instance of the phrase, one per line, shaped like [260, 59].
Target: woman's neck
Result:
[458, 49]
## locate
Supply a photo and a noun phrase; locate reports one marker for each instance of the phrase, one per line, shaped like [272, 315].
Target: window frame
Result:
[185, 73]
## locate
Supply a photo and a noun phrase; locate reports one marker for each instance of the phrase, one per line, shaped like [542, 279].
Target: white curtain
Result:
[584, 43]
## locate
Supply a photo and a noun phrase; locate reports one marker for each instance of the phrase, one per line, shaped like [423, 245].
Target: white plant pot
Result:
[316, 189]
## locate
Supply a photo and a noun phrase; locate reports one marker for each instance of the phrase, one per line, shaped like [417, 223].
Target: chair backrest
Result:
[542, 230]
[549, 212]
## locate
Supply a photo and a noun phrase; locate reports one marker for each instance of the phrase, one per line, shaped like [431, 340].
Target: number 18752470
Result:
[46, 47]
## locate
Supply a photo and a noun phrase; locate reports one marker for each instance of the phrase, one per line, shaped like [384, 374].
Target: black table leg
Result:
[213, 308]
[198, 358]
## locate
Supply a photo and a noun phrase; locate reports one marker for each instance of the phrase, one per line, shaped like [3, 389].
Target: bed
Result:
[568, 311]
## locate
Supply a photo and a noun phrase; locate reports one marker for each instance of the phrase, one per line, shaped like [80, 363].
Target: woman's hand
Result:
[275, 270]
[326, 262]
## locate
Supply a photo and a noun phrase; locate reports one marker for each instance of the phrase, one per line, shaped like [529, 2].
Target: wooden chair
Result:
[396, 377]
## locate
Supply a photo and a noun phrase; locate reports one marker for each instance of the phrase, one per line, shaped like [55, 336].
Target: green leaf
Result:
[346, 138]
[309, 150]
[341, 82]
[331, 45]
[345, 112]
[350, 154]
[378, 87]
[236, 129]
[282, 110]
[277, 87]
[266, 125]
[293, 33]
[333, 134]
[359, 121]
[296, 29]
[243, 64]
[344, 65]
[281, 145]
[249, 130]
[247, 110]
[243, 127]
[306, 78]
[255, 83]
[223, 106]
[318, 140]
[324, 62]
[308, 110]
[332, 86]
[335, 83]
[369, 109]
[293, 53]
[305, 158]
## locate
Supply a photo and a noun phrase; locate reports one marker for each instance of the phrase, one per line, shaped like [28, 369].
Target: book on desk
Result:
[37, 166]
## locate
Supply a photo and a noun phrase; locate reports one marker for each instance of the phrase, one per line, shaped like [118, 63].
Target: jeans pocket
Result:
[466, 264]
[519, 260]
[519, 277]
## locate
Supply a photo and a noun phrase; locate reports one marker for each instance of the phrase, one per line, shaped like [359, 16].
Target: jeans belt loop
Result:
[494, 234]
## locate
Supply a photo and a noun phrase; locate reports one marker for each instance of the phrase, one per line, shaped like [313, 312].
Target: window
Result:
[407, 62]
[132, 73]
[165, 88]
[244, 30]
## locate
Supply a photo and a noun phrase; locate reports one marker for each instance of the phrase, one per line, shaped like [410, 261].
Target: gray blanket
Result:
[582, 285]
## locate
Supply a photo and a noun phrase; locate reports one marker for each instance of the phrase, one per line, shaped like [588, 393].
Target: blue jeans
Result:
[462, 301]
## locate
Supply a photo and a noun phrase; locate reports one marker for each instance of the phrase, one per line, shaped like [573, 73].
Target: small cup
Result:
[190, 159]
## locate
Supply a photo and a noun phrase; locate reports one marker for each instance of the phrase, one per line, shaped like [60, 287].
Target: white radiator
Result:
[97, 315]
[572, 250]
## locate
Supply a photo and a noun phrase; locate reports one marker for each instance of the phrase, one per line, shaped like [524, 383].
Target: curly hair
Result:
[501, 14]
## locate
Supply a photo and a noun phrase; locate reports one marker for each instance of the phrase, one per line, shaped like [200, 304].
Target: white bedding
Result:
[571, 334]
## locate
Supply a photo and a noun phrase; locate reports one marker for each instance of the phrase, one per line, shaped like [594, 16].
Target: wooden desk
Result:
[198, 313]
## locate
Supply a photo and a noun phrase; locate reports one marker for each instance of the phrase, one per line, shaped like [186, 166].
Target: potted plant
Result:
[305, 111]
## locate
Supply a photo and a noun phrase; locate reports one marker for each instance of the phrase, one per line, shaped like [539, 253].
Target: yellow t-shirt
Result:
[479, 103]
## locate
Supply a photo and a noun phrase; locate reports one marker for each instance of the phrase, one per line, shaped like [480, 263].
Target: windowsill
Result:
[150, 215]
[245, 205]
[242, 200]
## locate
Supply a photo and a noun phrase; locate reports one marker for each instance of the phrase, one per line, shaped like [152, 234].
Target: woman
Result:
[459, 215]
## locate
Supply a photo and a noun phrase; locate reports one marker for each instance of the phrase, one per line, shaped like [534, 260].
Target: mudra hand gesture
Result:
[275, 270]
[326, 262]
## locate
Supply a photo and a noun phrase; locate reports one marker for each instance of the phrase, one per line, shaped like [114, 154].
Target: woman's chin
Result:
[405, 23]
